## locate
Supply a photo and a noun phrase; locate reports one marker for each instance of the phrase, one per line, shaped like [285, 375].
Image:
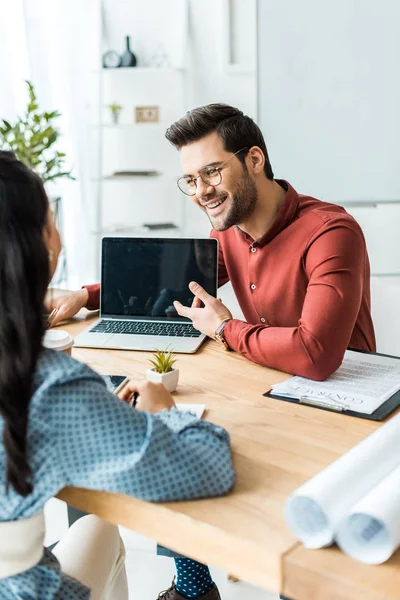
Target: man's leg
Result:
[193, 579]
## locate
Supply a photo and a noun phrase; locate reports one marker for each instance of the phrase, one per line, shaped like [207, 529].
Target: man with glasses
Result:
[298, 266]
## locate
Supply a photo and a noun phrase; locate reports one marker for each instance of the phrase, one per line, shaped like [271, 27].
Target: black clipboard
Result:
[378, 415]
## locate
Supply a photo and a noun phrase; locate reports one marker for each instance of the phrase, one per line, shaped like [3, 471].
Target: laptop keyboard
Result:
[147, 328]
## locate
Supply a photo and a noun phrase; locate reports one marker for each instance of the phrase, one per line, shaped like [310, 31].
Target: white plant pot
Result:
[170, 379]
[115, 118]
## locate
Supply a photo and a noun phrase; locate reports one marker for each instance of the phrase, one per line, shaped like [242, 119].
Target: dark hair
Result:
[24, 277]
[235, 129]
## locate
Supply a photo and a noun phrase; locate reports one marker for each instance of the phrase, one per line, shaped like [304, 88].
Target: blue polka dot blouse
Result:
[79, 434]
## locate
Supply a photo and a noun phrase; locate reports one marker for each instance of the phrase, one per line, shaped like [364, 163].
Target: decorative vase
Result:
[128, 59]
[170, 379]
[115, 117]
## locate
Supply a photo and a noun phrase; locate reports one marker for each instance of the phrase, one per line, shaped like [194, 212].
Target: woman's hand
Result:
[152, 397]
[65, 307]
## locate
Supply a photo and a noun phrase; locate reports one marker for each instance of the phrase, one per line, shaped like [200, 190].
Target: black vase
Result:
[128, 59]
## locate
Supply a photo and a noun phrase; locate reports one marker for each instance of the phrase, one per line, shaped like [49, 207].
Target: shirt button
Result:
[253, 286]
[254, 249]
[262, 320]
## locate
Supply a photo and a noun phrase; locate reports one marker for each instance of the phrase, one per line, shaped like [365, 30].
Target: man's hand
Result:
[65, 307]
[152, 397]
[206, 319]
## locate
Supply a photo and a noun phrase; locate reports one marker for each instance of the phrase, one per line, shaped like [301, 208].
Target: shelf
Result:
[127, 125]
[138, 231]
[141, 178]
[367, 203]
[146, 70]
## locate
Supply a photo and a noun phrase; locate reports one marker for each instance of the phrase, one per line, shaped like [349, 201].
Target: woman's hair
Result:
[235, 129]
[24, 277]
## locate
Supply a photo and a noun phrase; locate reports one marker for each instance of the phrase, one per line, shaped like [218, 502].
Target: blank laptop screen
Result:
[141, 277]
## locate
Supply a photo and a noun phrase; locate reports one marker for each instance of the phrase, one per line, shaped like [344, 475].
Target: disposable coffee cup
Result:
[57, 339]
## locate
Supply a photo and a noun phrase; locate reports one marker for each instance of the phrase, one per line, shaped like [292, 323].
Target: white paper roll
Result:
[314, 510]
[371, 532]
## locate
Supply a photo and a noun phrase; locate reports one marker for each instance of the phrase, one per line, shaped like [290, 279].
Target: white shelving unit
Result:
[138, 147]
[123, 204]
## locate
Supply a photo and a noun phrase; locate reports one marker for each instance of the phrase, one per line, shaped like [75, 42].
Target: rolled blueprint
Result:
[371, 531]
[314, 510]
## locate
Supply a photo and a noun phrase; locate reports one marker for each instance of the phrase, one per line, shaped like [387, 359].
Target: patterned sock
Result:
[192, 578]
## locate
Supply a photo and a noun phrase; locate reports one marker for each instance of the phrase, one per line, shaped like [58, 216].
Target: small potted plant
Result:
[115, 110]
[163, 370]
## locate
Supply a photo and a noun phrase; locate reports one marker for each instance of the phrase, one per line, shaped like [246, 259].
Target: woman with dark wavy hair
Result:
[60, 426]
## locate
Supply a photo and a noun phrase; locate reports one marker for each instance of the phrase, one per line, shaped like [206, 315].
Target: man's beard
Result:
[243, 203]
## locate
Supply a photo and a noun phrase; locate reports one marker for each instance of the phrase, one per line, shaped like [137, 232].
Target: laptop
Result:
[140, 279]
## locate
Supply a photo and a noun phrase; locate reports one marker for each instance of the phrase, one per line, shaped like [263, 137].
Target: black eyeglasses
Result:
[210, 175]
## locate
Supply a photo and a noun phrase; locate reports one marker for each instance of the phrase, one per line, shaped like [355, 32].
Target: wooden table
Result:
[277, 446]
[329, 574]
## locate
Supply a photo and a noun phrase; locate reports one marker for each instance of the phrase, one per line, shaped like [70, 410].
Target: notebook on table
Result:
[140, 279]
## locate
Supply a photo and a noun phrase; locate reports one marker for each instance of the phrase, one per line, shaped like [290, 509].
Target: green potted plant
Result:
[32, 138]
[163, 370]
[115, 110]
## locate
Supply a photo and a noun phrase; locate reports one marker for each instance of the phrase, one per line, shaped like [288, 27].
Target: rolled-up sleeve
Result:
[93, 302]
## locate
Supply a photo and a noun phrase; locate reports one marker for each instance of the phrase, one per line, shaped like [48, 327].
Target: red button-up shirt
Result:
[304, 288]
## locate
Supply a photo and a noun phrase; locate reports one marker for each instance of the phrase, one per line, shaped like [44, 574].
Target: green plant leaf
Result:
[48, 116]
[163, 361]
[32, 137]
[66, 174]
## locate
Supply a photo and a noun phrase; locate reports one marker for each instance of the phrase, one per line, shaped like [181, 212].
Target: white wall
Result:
[329, 95]
[329, 101]
[208, 80]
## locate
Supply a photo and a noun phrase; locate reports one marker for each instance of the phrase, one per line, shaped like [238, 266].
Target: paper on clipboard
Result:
[362, 384]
